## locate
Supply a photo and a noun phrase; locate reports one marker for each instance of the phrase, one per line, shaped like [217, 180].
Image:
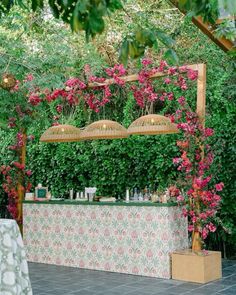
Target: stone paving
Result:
[58, 280]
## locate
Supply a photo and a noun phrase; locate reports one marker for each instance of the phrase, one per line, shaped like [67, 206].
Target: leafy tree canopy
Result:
[91, 17]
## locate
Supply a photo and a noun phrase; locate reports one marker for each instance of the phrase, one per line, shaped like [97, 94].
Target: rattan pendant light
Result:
[61, 133]
[8, 81]
[104, 129]
[152, 124]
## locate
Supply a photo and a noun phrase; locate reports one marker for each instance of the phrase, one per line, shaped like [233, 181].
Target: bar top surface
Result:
[73, 202]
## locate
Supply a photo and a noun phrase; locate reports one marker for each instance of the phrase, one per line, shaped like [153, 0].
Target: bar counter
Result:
[133, 238]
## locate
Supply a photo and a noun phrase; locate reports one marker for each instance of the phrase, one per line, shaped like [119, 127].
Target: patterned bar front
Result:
[134, 239]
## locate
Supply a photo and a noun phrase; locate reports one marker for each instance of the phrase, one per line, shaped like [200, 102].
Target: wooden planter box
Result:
[198, 267]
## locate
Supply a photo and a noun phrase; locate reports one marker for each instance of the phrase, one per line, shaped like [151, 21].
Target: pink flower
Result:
[57, 93]
[115, 72]
[211, 227]
[29, 77]
[170, 96]
[172, 71]
[34, 99]
[176, 160]
[219, 186]
[208, 132]
[181, 100]
[205, 252]
[59, 108]
[72, 82]
[146, 61]
[163, 65]
[190, 228]
[192, 75]
[205, 233]
[190, 191]
[182, 69]
[12, 147]
[167, 80]
[19, 165]
[28, 172]
[16, 87]
[11, 122]
[184, 212]
[203, 216]
[180, 198]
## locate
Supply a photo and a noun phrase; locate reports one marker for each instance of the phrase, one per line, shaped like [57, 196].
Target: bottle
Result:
[127, 195]
[140, 196]
[71, 194]
[145, 194]
[135, 194]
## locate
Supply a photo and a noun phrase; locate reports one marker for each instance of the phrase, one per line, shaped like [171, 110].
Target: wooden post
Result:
[201, 92]
[201, 111]
[20, 183]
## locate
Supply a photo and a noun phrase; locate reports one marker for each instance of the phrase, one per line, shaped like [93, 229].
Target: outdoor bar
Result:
[133, 238]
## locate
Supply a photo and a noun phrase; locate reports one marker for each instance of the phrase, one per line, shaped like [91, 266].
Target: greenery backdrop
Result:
[31, 42]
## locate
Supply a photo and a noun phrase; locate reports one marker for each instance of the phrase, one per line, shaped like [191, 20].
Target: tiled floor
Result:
[57, 280]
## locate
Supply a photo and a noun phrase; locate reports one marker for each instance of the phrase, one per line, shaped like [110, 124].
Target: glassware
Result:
[71, 194]
[127, 195]
[90, 192]
[146, 194]
[140, 196]
[135, 194]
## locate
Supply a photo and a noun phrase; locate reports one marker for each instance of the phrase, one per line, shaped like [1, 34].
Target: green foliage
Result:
[208, 9]
[135, 44]
[110, 165]
[226, 29]
[89, 16]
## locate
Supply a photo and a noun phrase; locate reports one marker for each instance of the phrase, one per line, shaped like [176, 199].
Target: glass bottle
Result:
[135, 194]
[140, 196]
[145, 193]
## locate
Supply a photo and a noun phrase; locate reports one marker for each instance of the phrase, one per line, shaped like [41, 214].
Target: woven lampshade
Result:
[8, 81]
[152, 124]
[104, 129]
[61, 133]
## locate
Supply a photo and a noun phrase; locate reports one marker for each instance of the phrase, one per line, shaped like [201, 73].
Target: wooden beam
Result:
[201, 86]
[133, 78]
[206, 28]
[223, 43]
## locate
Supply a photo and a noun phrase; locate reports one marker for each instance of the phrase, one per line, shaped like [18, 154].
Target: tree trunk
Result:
[196, 241]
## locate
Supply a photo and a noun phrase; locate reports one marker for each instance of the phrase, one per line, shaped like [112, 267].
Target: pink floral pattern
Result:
[126, 239]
